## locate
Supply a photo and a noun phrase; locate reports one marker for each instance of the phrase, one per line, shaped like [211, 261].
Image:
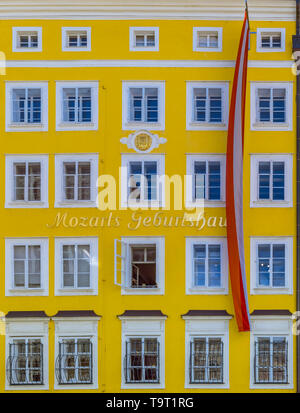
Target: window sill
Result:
[270, 50]
[24, 204]
[76, 49]
[26, 127]
[144, 49]
[27, 292]
[206, 204]
[76, 291]
[141, 291]
[75, 204]
[143, 125]
[206, 126]
[142, 205]
[270, 204]
[63, 126]
[270, 291]
[27, 49]
[208, 49]
[207, 291]
[270, 126]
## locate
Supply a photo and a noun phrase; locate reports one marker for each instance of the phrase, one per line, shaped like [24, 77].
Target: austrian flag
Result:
[234, 184]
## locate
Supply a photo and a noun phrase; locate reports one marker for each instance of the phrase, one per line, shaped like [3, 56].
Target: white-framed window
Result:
[76, 350]
[27, 354]
[76, 266]
[75, 180]
[271, 352]
[76, 106]
[207, 39]
[26, 181]
[26, 107]
[144, 39]
[27, 39]
[207, 105]
[270, 40]
[271, 265]
[26, 267]
[140, 265]
[206, 265]
[205, 181]
[271, 106]
[271, 180]
[143, 353]
[143, 105]
[206, 352]
[142, 180]
[76, 39]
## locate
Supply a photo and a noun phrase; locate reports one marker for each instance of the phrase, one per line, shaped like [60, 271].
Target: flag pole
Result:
[247, 12]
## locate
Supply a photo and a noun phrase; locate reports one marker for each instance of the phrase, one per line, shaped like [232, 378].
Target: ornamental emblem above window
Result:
[143, 141]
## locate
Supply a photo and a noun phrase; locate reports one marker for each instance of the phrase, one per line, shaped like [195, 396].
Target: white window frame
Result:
[123, 265]
[189, 272]
[160, 202]
[266, 326]
[144, 327]
[16, 32]
[18, 328]
[132, 125]
[61, 125]
[288, 175]
[254, 287]
[133, 31]
[10, 290]
[10, 160]
[77, 327]
[271, 126]
[189, 187]
[65, 32]
[191, 124]
[260, 31]
[207, 326]
[11, 126]
[94, 267]
[197, 30]
[60, 202]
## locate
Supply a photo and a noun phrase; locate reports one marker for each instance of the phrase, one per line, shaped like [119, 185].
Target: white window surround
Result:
[11, 126]
[189, 199]
[17, 30]
[190, 288]
[60, 202]
[218, 30]
[65, 31]
[133, 125]
[204, 326]
[288, 174]
[260, 31]
[94, 266]
[136, 30]
[77, 327]
[144, 327]
[10, 160]
[126, 159]
[271, 126]
[126, 265]
[10, 290]
[194, 125]
[61, 125]
[254, 288]
[17, 328]
[266, 326]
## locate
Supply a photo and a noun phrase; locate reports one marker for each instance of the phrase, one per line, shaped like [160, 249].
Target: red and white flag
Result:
[234, 184]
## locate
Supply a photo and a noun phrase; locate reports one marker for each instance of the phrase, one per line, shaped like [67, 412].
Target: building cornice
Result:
[271, 10]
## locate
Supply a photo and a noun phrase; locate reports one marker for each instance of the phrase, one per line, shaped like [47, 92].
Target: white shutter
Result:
[120, 257]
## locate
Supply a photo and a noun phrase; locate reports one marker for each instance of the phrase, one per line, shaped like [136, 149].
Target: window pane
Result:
[199, 104]
[214, 180]
[151, 96]
[199, 252]
[264, 180]
[150, 191]
[264, 251]
[200, 179]
[279, 105]
[215, 102]
[278, 180]
[214, 266]
[278, 265]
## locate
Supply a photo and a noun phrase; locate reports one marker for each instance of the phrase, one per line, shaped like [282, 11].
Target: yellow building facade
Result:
[90, 88]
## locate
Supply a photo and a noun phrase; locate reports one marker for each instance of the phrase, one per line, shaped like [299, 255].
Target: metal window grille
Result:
[271, 360]
[76, 263]
[208, 105]
[207, 265]
[27, 181]
[271, 181]
[74, 364]
[271, 105]
[142, 360]
[271, 265]
[26, 104]
[206, 360]
[27, 266]
[77, 105]
[77, 181]
[143, 104]
[142, 185]
[25, 362]
[143, 266]
[27, 40]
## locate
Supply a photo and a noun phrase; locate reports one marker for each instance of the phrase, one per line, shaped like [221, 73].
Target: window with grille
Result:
[77, 181]
[143, 105]
[143, 266]
[27, 181]
[76, 39]
[74, 363]
[76, 266]
[26, 105]
[27, 266]
[144, 39]
[207, 180]
[142, 360]
[142, 185]
[271, 360]
[25, 362]
[206, 360]
[271, 177]
[209, 40]
[207, 105]
[27, 40]
[77, 105]
[271, 105]
[271, 265]
[207, 265]
[271, 40]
